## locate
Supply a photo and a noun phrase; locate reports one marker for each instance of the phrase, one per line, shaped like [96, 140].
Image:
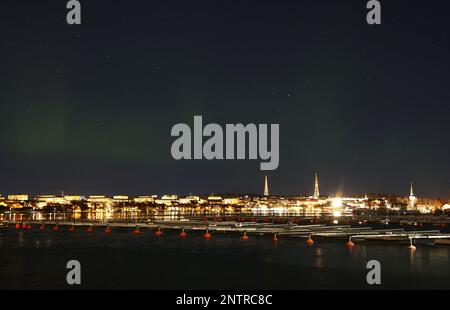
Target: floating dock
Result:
[209, 228]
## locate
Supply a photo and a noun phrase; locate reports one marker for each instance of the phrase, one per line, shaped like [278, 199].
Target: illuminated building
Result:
[189, 199]
[120, 198]
[96, 198]
[169, 197]
[44, 200]
[231, 201]
[308, 202]
[167, 200]
[18, 197]
[215, 199]
[145, 199]
[74, 197]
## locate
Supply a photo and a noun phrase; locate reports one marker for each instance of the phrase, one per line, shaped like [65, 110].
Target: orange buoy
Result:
[42, 227]
[183, 234]
[56, 228]
[24, 226]
[244, 236]
[18, 225]
[29, 226]
[350, 243]
[411, 245]
[442, 225]
[136, 231]
[71, 228]
[275, 238]
[90, 229]
[207, 235]
[159, 232]
[107, 230]
[309, 241]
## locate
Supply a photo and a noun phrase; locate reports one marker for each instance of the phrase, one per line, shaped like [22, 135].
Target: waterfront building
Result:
[215, 200]
[167, 200]
[44, 200]
[145, 199]
[120, 198]
[189, 199]
[18, 197]
[74, 197]
[231, 201]
[98, 199]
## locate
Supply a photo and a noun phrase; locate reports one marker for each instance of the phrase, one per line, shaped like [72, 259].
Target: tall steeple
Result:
[266, 186]
[412, 198]
[316, 187]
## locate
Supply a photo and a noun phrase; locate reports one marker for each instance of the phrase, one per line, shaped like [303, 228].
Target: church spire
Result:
[266, 186]
[412, 198]
[316, 187]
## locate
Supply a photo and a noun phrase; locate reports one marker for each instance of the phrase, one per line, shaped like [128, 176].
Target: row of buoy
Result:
[350, 244]
[23, 226]
[207, 235]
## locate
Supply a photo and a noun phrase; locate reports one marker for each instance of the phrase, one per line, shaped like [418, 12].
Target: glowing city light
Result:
[337, 213]
[336, 202]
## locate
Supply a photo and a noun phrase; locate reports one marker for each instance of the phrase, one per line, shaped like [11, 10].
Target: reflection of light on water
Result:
[335, 222]
[411, 257]
[176, 213]
[261, 209]
[318, 262]
[277, 211]
[21, 237]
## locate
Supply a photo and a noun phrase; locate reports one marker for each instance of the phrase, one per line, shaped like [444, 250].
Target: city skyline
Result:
[264, 193]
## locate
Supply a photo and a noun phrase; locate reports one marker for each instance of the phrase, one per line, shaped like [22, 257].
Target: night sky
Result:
[88, 108]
